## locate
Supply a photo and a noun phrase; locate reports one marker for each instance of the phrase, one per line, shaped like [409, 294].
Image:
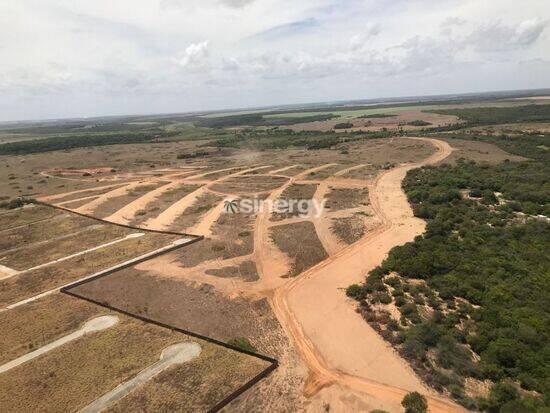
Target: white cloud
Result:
[236, 4]
[497, 37]
[195, 56]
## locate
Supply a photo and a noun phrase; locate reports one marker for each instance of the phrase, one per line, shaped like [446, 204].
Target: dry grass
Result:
[88, 192]
[26, 215]
[36, 324]
[326, 172]
[112, 205]
[195, 386]
[344, 198]
[294, 192]
[197, 308]
[46, 230]
[349, 229]
[479, 152]
[37, 281]
[192, 214]
[246, 270]
[78, 204]
[249, 184]
[72, 376]
[300, 242]
[162, 202]
[33, 255]
[232, 237]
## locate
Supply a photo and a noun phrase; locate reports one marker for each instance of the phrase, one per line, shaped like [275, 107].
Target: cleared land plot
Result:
[37, 254]
[75, 374]
[294, 192]
[196, 385]
[197, 308]
[344, 198]
[26, 328]
[26, 215]
[249, 184]
[112, 205]
[299, 241]
[349, 229]
[28, 284]
[46, 230]
[193, 213]
[479, 152]
[166, 199]
[232, 237]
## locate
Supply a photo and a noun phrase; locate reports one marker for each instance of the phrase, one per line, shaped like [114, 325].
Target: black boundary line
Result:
[274, 363]
[115, 223]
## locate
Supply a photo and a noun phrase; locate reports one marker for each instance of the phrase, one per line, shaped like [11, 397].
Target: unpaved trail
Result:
[335, 342]
[322, 223]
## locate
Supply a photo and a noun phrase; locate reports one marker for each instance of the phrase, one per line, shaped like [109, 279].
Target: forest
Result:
[495, 115]
[477, 281]
[64, 142]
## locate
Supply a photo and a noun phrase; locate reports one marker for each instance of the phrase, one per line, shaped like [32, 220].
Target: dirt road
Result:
[337, 345]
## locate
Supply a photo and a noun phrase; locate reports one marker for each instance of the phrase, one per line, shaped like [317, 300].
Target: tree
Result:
[414, 402]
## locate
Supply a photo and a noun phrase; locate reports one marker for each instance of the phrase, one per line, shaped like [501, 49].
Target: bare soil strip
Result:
[322, 223]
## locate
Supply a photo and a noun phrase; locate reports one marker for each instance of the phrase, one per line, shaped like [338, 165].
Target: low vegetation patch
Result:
[343, 125]
[418, 122]
[300, 242]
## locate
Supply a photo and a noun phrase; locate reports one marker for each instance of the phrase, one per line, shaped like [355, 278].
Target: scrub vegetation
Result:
[472, 292]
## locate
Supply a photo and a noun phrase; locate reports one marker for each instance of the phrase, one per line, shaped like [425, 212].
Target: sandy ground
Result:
[337, 345]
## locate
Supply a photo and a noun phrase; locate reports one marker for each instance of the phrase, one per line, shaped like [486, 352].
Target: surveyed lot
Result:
[47, 250]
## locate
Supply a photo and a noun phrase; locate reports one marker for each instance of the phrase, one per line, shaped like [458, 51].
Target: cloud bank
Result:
[65, 58]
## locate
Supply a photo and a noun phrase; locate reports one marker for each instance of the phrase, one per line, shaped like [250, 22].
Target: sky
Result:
[73, 58]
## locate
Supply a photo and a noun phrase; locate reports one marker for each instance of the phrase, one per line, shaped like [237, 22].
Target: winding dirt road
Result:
[336, 344]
